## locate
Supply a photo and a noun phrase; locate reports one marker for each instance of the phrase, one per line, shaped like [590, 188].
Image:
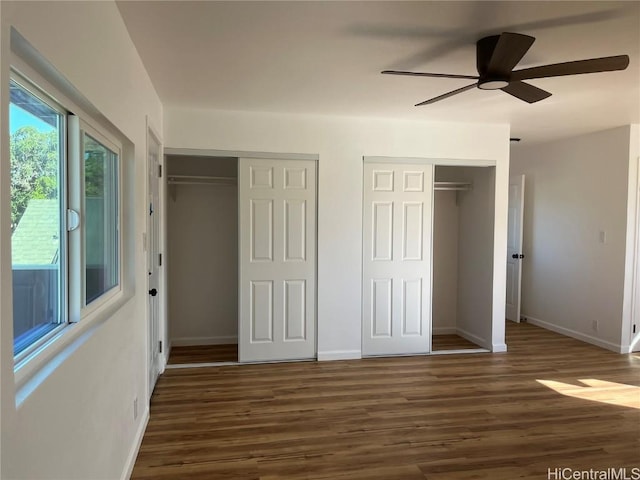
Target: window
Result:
[56, 249]
[37, 132]
[101, 216]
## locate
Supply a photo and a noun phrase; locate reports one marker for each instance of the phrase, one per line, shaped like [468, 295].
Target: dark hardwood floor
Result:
[451, 342]
[203, 354]
[550, 402]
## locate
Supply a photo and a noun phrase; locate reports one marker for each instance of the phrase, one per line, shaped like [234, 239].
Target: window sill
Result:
[31, 371]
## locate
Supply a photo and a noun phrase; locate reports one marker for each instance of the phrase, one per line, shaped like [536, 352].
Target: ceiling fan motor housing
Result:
[484, 51]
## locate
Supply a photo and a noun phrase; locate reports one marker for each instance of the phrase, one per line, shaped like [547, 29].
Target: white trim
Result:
[339, 355]
[499, 347]
[458, 162]
[135, 448]
[194, 341]
[175, 366]
[205, 152]
[472, 338]
[155, 363]
[460, 351]
[631, 274]
[574, 334]
[41, 363]
[444, 331]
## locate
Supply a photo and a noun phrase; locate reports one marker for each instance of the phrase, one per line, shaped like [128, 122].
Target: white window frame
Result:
[63, 190]
[73, 309]
[80, 262]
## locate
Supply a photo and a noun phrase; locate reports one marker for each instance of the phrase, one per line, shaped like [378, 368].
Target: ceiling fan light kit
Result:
[498, 55]
[492, 84]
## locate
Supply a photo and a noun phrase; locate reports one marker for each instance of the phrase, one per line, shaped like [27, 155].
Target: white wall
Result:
[445, 262]
[576, 189]
[78, 422]
[341, 144]
[203, 264]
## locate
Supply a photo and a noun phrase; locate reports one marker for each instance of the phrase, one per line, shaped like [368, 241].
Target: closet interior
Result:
[463, 224]
[202, 259]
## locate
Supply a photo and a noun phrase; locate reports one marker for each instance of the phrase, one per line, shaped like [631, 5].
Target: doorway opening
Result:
[202, 259]
[463, 250]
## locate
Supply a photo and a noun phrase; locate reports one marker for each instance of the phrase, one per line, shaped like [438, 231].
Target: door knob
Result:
[516, 256]
[153, 292]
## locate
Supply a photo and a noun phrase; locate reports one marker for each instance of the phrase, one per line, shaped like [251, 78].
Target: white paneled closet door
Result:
[277, 284]
[396, 286]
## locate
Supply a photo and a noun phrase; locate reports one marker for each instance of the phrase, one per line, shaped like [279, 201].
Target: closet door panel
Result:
[277, 285]
[396, 259]
[261, 230]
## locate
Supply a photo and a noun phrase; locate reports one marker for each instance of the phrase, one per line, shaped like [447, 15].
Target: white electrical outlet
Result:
[135, 408]
[594, 325]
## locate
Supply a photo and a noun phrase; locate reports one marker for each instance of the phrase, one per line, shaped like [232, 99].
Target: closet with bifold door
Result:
[463, 249]
[202, 258]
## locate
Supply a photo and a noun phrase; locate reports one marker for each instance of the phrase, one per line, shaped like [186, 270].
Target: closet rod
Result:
[192, 182]
[200, 180]
[457, 186]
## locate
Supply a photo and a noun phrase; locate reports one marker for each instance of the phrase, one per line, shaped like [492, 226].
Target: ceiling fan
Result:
[498, 55]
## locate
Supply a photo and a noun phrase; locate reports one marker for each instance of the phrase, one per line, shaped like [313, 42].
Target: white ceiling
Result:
[325, 58]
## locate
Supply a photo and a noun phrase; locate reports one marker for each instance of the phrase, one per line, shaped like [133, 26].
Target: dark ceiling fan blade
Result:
[578, 67]
[526, 92]
[421, 74]
[509, 50]
[447, 95]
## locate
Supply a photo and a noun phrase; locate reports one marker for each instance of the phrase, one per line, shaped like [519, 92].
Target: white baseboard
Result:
[133, 454]
[574, 334]
[443, 330]
[189, 341]
[339, 355]
[474, 338]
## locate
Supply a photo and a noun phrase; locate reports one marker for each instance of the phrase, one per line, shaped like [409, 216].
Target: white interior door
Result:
[153, 257]
[277, 284]
[514, 246]
[396, 287]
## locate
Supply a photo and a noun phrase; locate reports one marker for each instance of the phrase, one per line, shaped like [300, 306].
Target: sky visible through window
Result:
[21, 118]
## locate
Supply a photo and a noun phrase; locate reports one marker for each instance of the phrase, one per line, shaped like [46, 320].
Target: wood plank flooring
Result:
[448, 417]
[203, 354]
[451, 342]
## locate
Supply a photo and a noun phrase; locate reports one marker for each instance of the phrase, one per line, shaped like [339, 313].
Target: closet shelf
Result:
[200, 180]
[456, 186]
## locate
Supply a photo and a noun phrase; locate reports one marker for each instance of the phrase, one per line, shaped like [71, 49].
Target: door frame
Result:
[499, 259]
[630, 340]
[157, 365]
[213, 153]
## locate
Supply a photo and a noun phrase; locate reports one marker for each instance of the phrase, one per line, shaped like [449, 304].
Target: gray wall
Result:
[445, 262]
[475, 247]
[202, 254]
